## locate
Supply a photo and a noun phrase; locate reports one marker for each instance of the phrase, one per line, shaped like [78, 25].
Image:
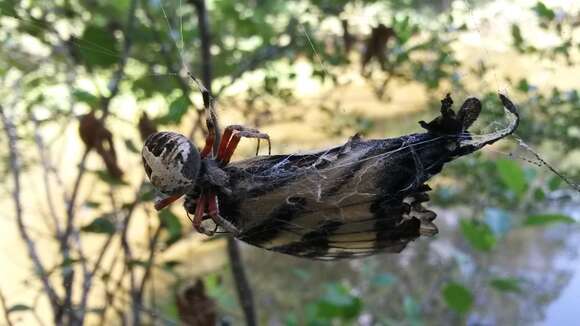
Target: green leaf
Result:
[120, 5]
[458, 297]
[170, 265]
[85, 97]
[177, 109]
[138, 263]
[544, 219]
[8, 8]
[544, 12]
[92, 204]
[18, 307]
[99, 47]
[147, 194]
[131, 146]
[554, 183]
[171, 223]
[108, 178]
[517, 37]
[338, 302]
[96, 311]
[478, 234]
[68, 262]
[147, 86]
[506, 285]
[523, 85]
[512, 175]
[100, 225]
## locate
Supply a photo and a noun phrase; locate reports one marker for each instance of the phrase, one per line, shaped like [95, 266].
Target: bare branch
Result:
[244, 290]
[68, 272]
[5, 308]
[10, 131]
[243, 287]
[46, 167]
[150, 260]
[128, 253]
[109, 293]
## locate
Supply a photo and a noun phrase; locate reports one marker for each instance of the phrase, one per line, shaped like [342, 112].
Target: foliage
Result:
[458, 297]
[478, 234]
[506, 285]
[62, 59]
[540, 220]
[337, 303]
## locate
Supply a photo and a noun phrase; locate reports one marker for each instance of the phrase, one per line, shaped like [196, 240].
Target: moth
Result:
[361, 198]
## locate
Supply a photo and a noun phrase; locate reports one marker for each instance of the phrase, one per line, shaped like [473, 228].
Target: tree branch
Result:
[68, 272]
[243, 287]
[150, 260]
[245, 294]
[6, 311]
[46, 166]
[10, 131]
[87, 282]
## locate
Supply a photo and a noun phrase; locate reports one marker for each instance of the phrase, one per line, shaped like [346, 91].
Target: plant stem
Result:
[244, 290]
[14, 159]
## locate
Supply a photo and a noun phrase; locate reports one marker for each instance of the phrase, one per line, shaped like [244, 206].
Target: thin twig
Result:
[87, 282]
[5, 308]
[68, 272]
[46, 167]
[245, 294]
[109, 293]
[150, 260]
[243, 287]
[88, 278]
[10, 131]
[129, 262]
[35, 308]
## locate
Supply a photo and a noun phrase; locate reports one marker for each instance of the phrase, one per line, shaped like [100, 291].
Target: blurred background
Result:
[83, 82]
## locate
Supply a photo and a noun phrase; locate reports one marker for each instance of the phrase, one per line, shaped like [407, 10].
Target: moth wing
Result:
[327, 205]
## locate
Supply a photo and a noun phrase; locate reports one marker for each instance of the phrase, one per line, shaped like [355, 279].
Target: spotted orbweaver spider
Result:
[176, 168]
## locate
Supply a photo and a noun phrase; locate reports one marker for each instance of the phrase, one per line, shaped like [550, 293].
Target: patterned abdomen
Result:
[171, 162]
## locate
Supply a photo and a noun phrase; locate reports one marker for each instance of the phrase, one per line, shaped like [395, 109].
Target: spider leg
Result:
[214, 213]
[228, 142]
[199, 213]
[231, 138]
[208, 104]
[161, 204]
[209, 140]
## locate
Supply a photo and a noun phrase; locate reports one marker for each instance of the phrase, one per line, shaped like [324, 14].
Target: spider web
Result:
[328, 196]
[316, 177]
[313, 179]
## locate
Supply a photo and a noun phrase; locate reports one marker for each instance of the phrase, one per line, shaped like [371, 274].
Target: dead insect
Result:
[354, 200]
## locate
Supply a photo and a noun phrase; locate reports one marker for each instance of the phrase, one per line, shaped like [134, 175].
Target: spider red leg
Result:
[209, 140]
[199, 212]
[161, 204]
[228, 146]
[214, 213]
[224, 141]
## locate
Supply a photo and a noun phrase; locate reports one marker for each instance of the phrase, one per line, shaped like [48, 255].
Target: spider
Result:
[177, 168]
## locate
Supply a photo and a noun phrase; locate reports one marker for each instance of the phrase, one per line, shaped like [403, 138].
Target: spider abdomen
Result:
[171, 162]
